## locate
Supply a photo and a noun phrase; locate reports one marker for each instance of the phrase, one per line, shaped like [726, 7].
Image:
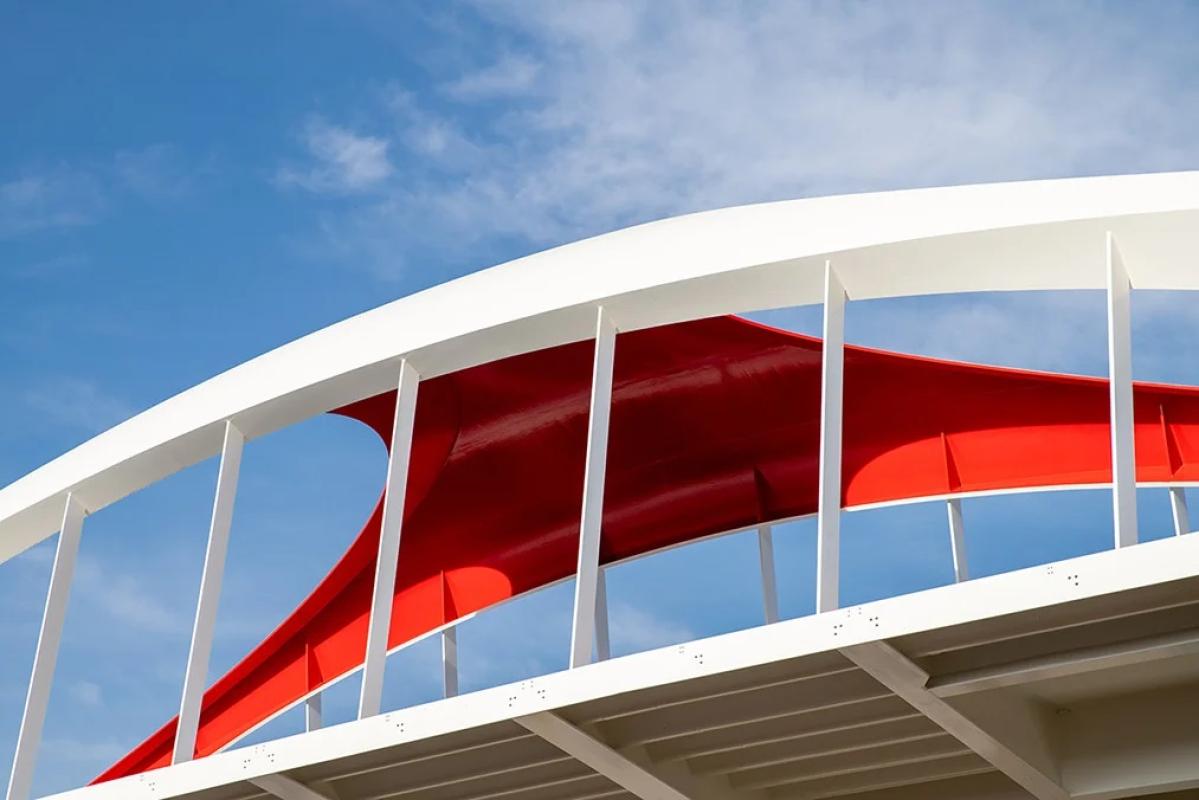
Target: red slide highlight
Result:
[715, 426]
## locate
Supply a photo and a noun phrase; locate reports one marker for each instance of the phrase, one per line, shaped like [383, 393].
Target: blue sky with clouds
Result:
[184, 187]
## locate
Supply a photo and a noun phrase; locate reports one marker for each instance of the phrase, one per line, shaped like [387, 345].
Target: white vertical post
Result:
[770, 596]
[1119, 356]
[375, 658]
[196, 675]
[828, 514]
[957, 539]
[1178, 505]
[313, 713]
[603, 642]
[449, 661]
[591, 519]
[20, 781]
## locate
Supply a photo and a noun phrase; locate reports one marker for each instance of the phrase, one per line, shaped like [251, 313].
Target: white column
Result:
[45, 657]
[196, 676]
[1178, 505]
[770, 596]
[449, 661]
[828, 514]
[957, 539]
[313, 717]
[375, 659]
[603, 642]
[1119, 355]
[591, 519]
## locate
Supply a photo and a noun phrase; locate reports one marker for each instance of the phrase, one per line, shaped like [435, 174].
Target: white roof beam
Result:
[1035, 771]
[286, 788]
[600, 757]
[371, 698]
[582, 633]
[204, 629]
[1075, 662]
[1119, 355]
[828, 513]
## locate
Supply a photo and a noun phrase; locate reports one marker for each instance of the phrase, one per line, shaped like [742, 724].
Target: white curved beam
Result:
[997, 237]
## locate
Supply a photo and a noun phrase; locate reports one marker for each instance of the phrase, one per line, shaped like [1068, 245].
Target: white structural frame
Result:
[770, 594]
[582, 631]
[1119, 354]
[195, 677]
[1178, 510]
[45, 658]
[1000, 237]
[957, 539]
[374, 662]
[828, 513]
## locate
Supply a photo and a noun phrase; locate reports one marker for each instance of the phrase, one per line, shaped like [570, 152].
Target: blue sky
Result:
[184, 187]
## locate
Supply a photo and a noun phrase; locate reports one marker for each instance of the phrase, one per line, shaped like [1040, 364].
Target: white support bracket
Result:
[20, 782]
[375, 659]
[449, 661]
[770, 595]
[1119, 359]
[600, 757]
[957, 539]
[1178, 507]
[582, 632]
[196, 676]
[603, 639]
[286, 788]
[828, 513]
[313, 714]
[1019, 760]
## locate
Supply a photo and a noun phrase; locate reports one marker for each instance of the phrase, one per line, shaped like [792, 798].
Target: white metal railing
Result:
[589, 619]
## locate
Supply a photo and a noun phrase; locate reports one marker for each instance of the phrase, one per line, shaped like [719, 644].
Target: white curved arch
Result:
[995, 237]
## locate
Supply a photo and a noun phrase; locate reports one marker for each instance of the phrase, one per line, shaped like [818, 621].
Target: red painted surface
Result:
[714, 426]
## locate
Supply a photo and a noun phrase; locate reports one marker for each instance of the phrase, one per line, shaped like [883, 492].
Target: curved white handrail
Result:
[1013, 236]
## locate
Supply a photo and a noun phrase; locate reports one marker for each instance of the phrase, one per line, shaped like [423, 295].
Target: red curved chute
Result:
[714, 426]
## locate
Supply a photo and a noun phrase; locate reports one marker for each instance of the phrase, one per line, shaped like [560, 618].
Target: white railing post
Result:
[828, 514]
[591, 519]
[1119, 354]
[957, 539]
[196, 676]
[1178, 508]
[375, 658]
[449, 661]
[20, 782]
[603, 641]
[770, 595]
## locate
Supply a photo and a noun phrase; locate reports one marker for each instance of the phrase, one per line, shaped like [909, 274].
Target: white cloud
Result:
[342, 161]
[87, 693]
[47, 200]
[615, 113]
[634, 629]
[77, 403]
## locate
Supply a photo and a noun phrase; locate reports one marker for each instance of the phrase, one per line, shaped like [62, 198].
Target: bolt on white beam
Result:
[591, 519]
[770, 595]
[313, 713]
[196, 676]
[375, 659]
[828, 513]
[957, 539]
[1178, 507]
[20, 781]
[1119, 359]
[600, 757]
[449, 661]
[603, 641]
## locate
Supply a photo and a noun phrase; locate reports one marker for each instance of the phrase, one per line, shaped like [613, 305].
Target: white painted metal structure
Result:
[1075, 679]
